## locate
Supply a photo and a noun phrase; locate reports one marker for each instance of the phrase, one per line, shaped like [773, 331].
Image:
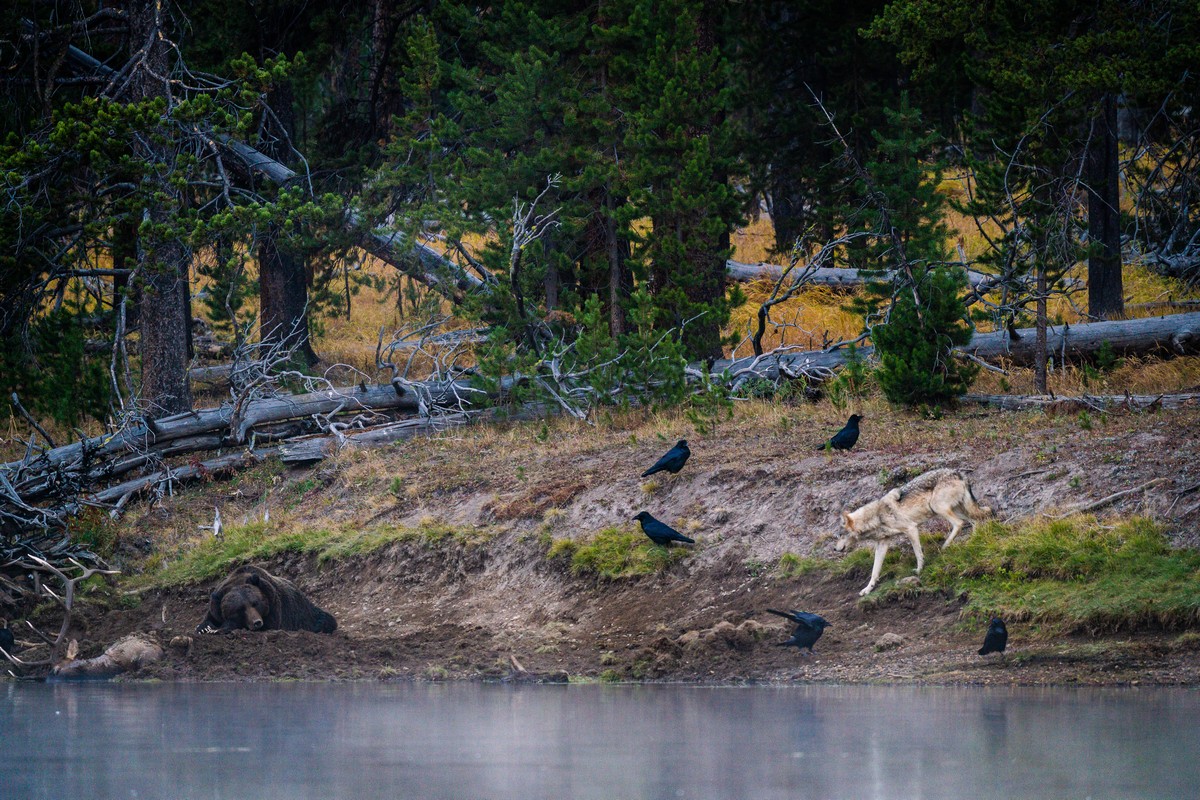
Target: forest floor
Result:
[449, 557]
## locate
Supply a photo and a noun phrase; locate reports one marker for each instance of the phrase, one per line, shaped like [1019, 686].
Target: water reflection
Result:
[472, 741]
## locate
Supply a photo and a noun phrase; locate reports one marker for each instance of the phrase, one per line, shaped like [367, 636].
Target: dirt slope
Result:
[753, 491]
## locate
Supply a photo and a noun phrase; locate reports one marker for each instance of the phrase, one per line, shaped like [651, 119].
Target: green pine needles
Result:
[926, 318]
[916, 366]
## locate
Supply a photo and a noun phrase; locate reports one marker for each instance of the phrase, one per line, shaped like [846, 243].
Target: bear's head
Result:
[244, 606]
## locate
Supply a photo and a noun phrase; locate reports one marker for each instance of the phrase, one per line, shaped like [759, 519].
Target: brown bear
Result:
[254, 599]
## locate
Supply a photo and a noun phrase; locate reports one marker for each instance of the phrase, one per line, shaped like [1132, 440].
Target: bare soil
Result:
[754, 490]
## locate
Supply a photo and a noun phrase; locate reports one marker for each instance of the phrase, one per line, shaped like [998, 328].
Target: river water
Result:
[327, 741]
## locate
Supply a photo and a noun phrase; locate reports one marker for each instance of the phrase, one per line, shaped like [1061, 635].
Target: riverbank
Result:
[508, 553]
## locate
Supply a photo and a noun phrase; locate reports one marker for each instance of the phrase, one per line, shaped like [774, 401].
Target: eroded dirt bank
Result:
[753, 491]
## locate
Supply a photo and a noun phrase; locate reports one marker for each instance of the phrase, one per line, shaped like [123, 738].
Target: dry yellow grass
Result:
[814, 318]
[754, 243]
[1134, 375]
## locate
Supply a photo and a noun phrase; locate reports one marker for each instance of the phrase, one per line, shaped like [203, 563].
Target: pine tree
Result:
[916, 366]
[682, 154]
[925, 318]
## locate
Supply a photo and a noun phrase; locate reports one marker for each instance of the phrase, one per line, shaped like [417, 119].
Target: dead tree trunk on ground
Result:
[1178, 334]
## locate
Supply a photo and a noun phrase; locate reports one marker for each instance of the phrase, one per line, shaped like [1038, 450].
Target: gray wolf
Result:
[941, 492]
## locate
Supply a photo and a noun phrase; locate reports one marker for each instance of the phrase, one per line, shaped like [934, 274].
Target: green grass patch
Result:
[793, 566]
[616, 553]
[240, 544]
[1075, 575]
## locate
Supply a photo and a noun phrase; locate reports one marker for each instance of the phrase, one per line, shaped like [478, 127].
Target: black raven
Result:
[996, 638]
[7, 642]
[660, 532]
[846, 437]
[809, 628]
[672, 461]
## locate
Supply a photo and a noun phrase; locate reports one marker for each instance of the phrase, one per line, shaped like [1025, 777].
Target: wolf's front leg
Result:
[914, 536]
[881, 549]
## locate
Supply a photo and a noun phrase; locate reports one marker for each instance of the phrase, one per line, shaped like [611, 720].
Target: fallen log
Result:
[305, 450]
[221, 373]
[116, 497]
[301, 450]
[140, 438]
[318, 447]
[309, 449]
[1177, 334]
[826, 276]
[1130, 402]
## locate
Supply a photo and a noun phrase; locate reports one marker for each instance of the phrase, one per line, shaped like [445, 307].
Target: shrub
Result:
[916, 366]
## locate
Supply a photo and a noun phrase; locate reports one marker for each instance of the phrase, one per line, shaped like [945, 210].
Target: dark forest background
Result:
[563, 179]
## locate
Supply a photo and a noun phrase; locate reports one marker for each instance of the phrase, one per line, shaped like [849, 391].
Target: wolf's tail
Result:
[972, 507]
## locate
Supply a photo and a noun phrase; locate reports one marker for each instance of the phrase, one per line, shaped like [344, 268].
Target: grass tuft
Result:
[793, 566]
[242, 544]
[616, 554]
[1075, 575]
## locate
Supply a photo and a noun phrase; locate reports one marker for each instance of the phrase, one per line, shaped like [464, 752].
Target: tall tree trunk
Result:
[383, 34]
[283, 298]
[164, 329]
[283, 275]
[1106, 294]
[620, 281]
[702, 339]
[551, 282]
[1040, 383]
[163, 261]
[787, 214]
[124, 256]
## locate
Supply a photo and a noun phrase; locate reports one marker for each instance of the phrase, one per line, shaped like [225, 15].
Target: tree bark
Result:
[283, 297]
[124, 257]
[787, 212]
[1039, 347]
[551, 283]
[620, 282]
[826, 276]
[163, 261]
[283, 275]
[1131, 402]
[1106, 294]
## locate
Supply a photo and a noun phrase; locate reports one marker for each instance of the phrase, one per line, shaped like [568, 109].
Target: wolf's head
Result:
[850, 537]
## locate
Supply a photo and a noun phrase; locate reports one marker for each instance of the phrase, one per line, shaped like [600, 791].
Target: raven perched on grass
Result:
[660, 532]
[846, 437]
[996, 638]
[672, 461]
[809, 628]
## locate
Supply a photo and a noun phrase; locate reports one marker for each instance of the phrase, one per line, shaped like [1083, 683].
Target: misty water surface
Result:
[325, 741]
